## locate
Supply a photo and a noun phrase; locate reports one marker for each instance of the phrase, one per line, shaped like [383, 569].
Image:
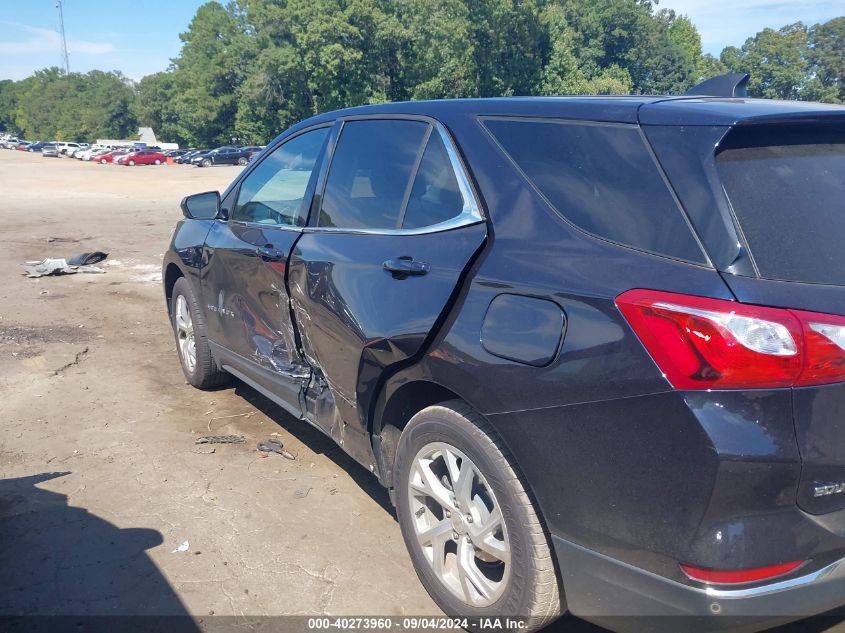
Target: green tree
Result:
[779, 64]
[827, 57]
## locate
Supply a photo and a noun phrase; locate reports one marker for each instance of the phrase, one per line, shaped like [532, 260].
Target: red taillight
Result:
[702, 343]
[738, 576]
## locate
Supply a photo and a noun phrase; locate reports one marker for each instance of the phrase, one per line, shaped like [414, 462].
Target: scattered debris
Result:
[57, 267]
[220, 439]
[87, 259]
[274, 445]
[205, 450]
[184, 547]
[301, 493]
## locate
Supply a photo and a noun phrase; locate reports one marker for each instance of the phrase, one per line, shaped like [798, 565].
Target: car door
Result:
[389, 238]
[245, 279]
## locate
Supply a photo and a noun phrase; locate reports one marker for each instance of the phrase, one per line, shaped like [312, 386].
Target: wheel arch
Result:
[171, 275]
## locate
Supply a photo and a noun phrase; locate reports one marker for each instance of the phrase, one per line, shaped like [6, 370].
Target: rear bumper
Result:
[622, 597]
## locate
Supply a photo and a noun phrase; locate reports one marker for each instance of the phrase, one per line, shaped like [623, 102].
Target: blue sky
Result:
[139, 37]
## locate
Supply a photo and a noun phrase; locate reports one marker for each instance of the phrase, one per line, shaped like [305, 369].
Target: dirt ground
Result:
[107, 505]
[95, 411]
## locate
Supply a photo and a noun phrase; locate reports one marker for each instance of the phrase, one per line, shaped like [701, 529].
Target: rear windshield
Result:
[787, 188]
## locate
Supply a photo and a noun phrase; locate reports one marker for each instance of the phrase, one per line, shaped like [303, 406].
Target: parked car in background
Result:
[22, 145]
[93, 154]
[142, 157]
[176, 153]
[226, 155]
[10, 143]
[73, 151]
[112, 155]
[50, 150]
[185, 159]
[36, 146]
[64, 147]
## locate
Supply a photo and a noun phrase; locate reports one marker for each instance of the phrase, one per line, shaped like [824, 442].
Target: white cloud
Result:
[39, 40]
[730, 22]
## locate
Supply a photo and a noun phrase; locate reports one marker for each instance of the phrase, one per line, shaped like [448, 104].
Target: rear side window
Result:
[370, 172]
[435, 196]
[786, 185]
[602, 179]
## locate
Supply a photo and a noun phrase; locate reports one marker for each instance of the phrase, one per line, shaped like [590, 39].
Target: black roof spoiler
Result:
[730, 85]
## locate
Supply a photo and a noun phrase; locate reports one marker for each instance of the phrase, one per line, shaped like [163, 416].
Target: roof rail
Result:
[730, 85]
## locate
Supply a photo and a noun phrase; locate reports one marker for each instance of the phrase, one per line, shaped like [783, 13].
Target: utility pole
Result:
[64, 38]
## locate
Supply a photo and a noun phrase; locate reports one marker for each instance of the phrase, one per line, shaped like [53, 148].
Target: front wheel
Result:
[475, 538]
[131, 163]
[103, 161]
[206, 163]
[191, 342]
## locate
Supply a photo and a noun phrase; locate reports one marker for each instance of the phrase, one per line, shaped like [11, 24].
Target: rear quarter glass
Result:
[786, 185]
[601, 178]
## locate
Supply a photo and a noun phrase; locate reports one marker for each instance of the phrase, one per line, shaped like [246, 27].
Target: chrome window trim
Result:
[470, 213]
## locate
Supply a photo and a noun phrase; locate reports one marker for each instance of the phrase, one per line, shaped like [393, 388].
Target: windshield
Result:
[787, 188]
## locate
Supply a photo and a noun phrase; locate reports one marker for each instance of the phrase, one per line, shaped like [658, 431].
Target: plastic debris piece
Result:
[49, 266]
[274, 445]
[87, 259]
[184, 547]
[220, 439]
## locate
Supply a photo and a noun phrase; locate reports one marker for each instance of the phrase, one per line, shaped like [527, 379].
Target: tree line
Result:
[249, 69]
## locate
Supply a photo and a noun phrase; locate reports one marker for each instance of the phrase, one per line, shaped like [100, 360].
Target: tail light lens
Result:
[702, 343]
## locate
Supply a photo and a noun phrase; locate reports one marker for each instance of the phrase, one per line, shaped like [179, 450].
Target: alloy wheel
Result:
[185, 334]
[459, 524]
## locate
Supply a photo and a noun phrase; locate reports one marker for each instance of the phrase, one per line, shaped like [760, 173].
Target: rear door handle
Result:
[401, 267]
[269, 254]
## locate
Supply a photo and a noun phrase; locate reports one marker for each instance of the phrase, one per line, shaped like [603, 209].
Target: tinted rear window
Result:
[600, 177]
[787, 188]
[369, 173]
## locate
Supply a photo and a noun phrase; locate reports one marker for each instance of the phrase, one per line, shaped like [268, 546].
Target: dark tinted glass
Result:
[602, 179]
[274, 192]
[787, 188]
[370, 172]
[435, 196]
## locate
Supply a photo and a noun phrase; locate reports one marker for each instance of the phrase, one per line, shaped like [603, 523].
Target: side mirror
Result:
[202, 206]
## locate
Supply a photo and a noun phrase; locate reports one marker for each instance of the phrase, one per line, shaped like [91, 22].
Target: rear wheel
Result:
[472, 531]
[103, 161]
[242, 161]
[191, 342]
[157, 162]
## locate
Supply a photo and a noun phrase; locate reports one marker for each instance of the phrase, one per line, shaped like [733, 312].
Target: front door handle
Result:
[269, 254]
[401, 267]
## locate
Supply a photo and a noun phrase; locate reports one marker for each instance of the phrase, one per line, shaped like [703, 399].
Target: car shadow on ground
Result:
[63, 568]
[318, 442]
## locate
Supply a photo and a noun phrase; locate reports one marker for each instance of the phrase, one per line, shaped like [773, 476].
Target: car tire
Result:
[191, 341]
[482, 586]
[131, 163]
[242, 161]
[103, 161]
[157, 162]
[206, 163]
[30, 150]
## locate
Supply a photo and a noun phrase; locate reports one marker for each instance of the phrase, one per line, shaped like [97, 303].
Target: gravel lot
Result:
[100, 479]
